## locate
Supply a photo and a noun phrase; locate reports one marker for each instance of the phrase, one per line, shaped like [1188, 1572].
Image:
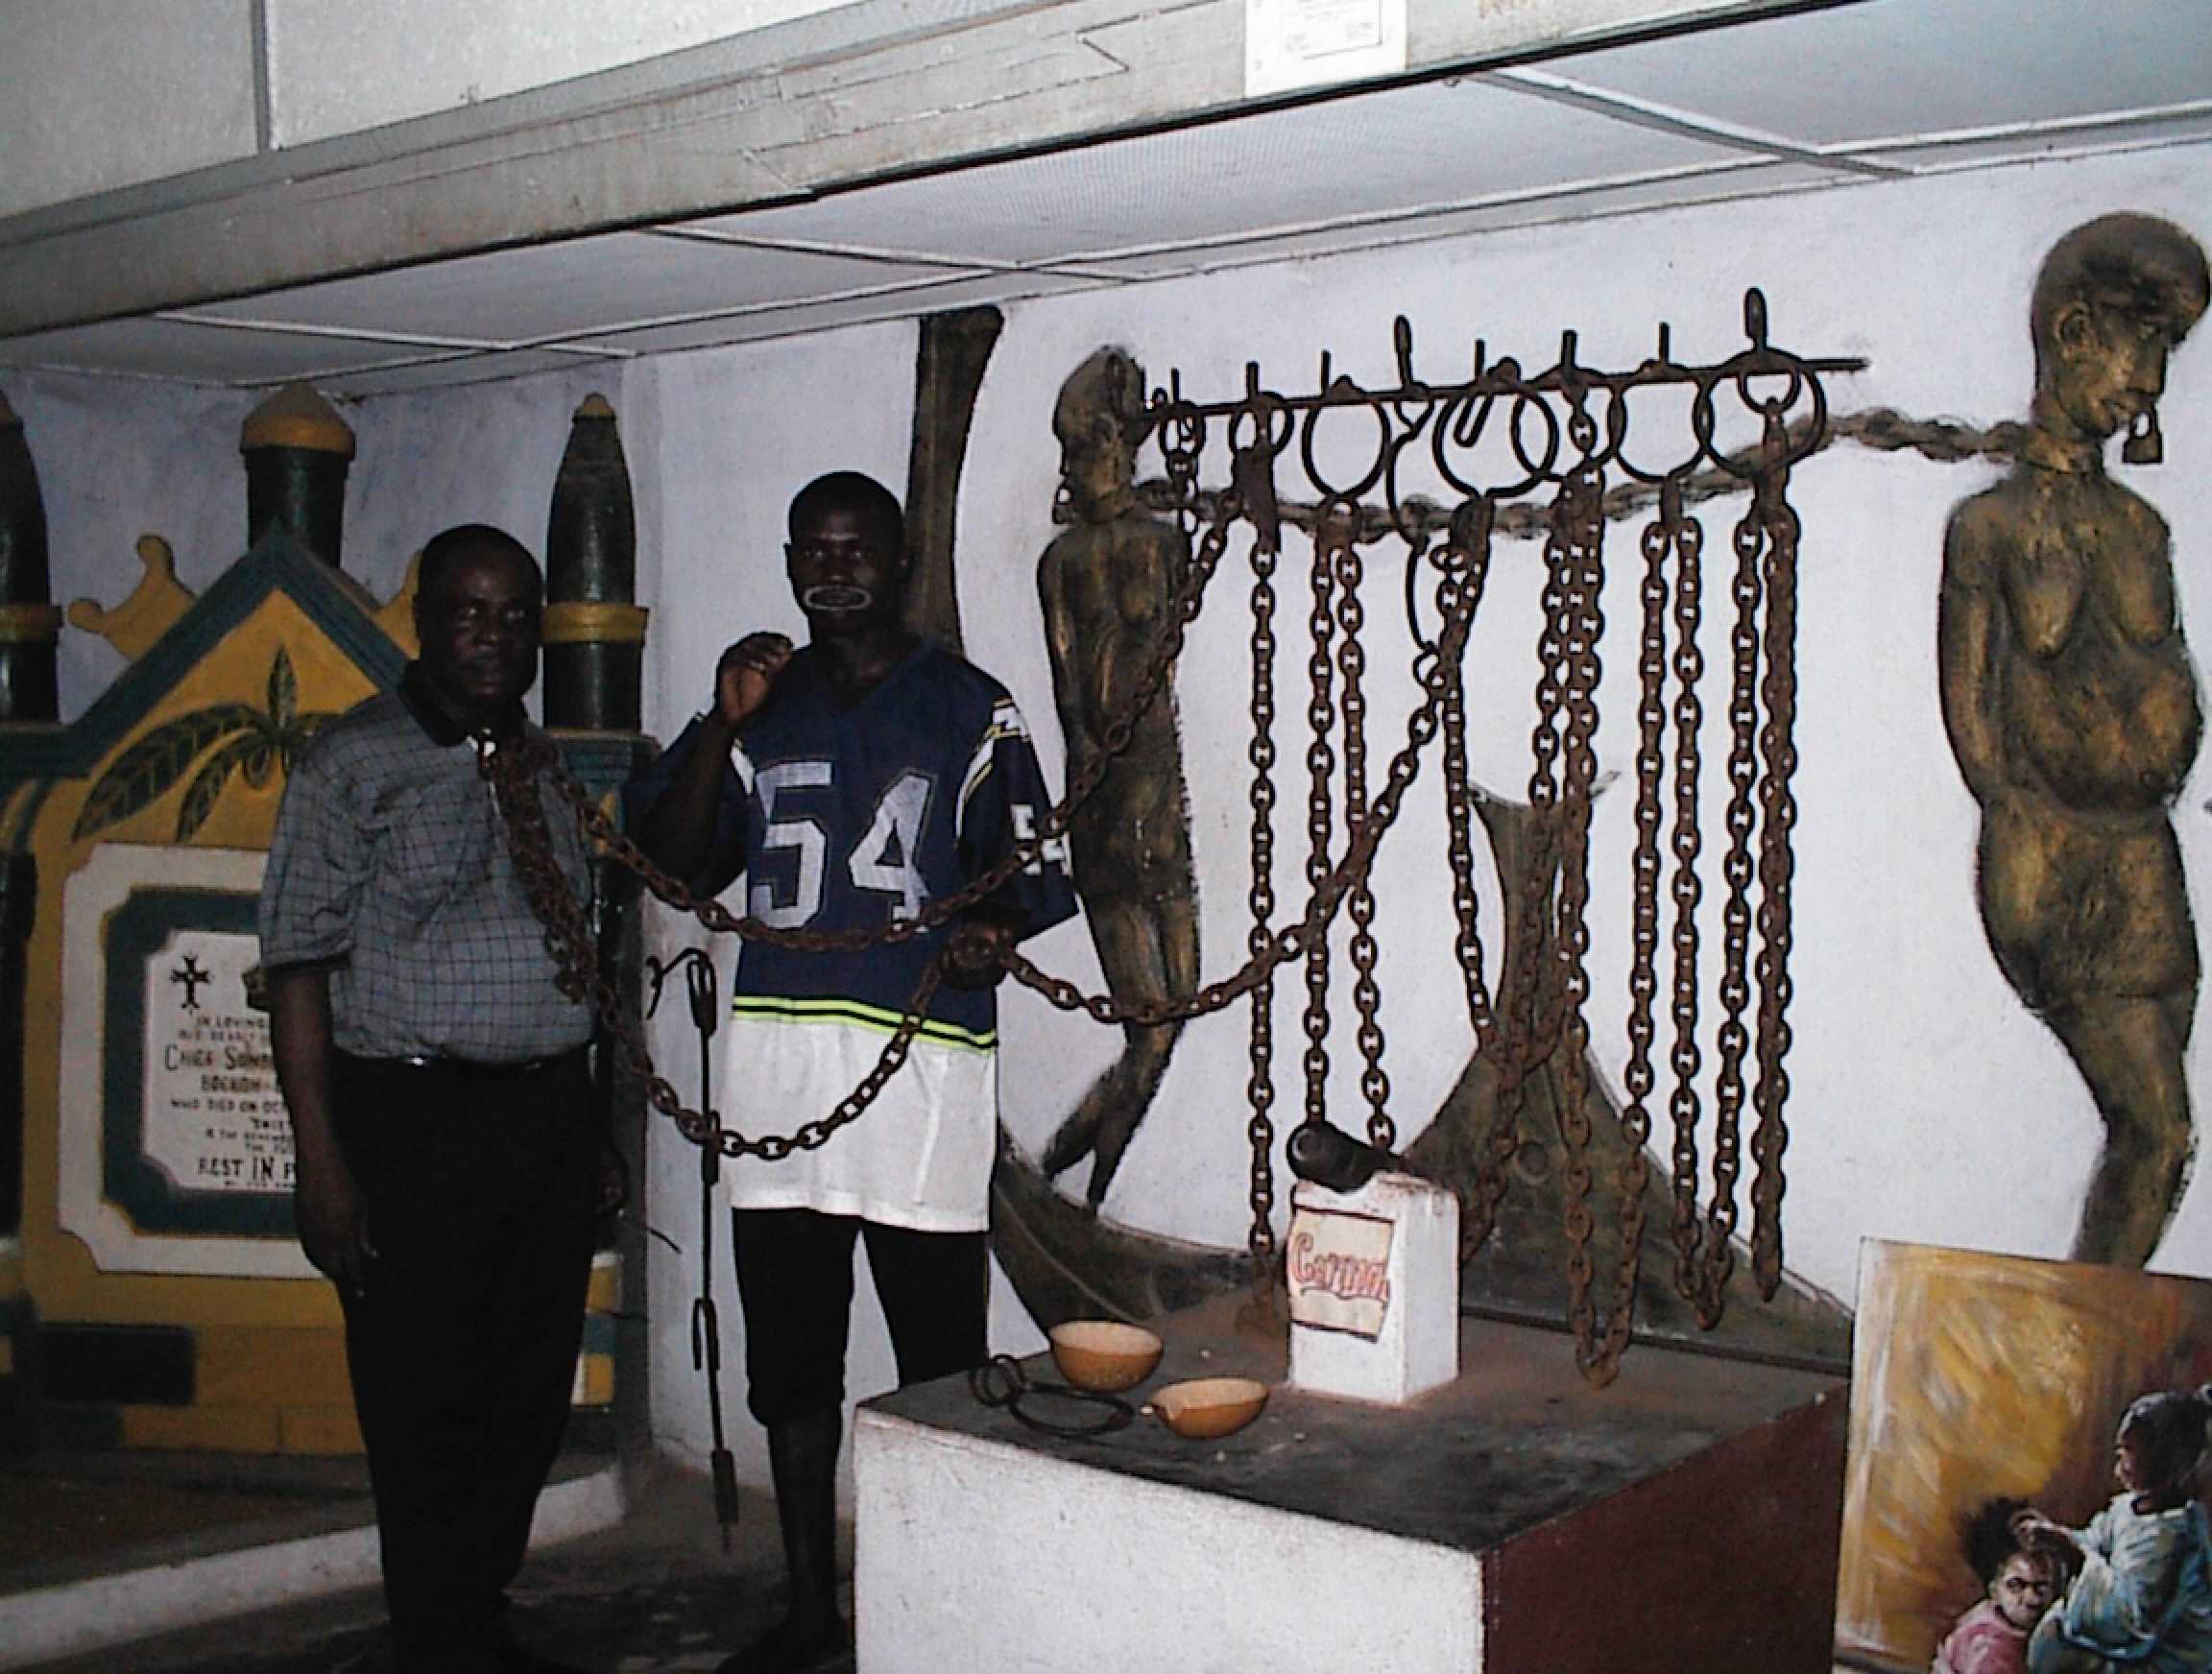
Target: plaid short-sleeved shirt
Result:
[389, 865]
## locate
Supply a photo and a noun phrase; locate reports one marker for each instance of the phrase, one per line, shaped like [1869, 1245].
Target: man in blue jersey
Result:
[853, 782]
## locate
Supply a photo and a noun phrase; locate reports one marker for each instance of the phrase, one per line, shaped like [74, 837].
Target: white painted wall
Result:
[1928, 1105]
[120, 458]
[117, 460]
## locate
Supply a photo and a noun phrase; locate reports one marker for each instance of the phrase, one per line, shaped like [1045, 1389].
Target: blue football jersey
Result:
[853, 817]
[849, 819]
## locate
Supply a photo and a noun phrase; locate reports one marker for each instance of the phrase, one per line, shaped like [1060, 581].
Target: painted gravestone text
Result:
[214, 1120]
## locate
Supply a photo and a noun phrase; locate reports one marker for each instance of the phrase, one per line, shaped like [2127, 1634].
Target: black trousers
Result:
[479, 1191]
[795, 1280]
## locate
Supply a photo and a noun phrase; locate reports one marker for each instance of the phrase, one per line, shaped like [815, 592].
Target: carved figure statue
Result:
[1106, 585]
[2073, 712]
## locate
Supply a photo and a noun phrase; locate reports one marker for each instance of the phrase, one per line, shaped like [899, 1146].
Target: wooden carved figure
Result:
[1106, 585]
[2073, 710]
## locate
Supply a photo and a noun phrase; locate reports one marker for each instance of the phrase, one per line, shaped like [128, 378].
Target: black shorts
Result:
[795, 1279]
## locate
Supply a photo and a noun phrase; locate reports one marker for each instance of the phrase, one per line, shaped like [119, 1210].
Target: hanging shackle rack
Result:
[1566, 432]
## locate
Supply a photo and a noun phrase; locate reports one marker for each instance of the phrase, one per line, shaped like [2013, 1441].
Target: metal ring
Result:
[1000, 1381]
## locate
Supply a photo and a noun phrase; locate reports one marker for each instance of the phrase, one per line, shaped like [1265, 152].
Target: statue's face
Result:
[2110, 366]
[1095, 460]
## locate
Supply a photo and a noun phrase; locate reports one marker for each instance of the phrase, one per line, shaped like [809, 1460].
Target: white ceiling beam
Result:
[845, 250]
[1688, 123]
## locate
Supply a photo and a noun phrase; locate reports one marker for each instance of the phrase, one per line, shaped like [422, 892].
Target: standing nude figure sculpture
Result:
[1106, 585]
[2073, 712]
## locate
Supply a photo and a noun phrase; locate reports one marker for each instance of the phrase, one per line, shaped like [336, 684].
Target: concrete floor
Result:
[654, 1593]
[654, 1596]
[63, 1514]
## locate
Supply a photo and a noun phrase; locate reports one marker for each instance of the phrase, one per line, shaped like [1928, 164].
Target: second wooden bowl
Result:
[1104, 1355]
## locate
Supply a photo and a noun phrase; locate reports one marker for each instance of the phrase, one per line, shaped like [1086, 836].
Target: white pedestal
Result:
[1485, 1531]
[978, 1553]
[1374, 1282]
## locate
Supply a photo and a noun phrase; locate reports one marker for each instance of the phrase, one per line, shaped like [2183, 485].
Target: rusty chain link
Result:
[1260, 1089]
[1293, 941]
[1778, 816]
[1686, 890]
[1581, 551]
[514, 770]
[1717, 1255]
[1320, 827]
[1359, 908]
[1644, 931]
[1465, 563]
[1497, 1039]
[1522, 1039]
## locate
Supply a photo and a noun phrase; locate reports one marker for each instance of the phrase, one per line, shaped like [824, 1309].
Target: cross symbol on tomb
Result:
[191, 976]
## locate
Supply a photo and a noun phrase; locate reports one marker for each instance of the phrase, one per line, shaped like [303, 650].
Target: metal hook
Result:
[661, 970]
[1755, 318]
[706, 1007]
[706, 1334]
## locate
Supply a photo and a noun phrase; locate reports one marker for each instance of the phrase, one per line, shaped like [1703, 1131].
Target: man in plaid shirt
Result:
[447, 1160]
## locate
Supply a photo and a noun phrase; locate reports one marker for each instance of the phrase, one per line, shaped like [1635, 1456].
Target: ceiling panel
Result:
[2076, 140]
[951, 291]
[1745, 178]
[210, 355]
[1890, 68]
[468, 369]
[554, 290]
[1436, 144]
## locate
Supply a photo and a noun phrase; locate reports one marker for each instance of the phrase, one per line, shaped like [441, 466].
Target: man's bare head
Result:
[477, 598]
[848, 556]
[854, 494]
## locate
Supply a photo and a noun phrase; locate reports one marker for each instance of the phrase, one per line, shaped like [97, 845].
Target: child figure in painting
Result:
[1992, 1636]
[2141, 1597]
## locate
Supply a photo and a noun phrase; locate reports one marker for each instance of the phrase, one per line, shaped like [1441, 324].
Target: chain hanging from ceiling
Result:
[1501, 450]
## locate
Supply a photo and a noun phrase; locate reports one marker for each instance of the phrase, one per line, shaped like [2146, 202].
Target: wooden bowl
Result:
[1104, 1355]
[1207, 1407]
